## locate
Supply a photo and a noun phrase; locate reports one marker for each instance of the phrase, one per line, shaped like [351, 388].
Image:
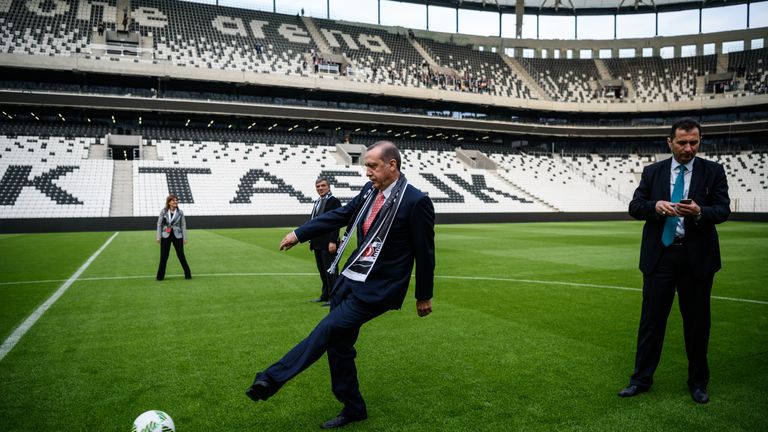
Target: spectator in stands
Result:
[394, 223]
[324, 246]
[172, 228]
[679, 251]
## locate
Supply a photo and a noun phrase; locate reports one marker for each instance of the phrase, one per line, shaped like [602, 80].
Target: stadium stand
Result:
[655, 79]
[565, 80]
[751, 68]
[210, 37]
[231, 38]
[50, 169]
[183, 34]
[555, 183]
[476, 71]
[747, 179]
[55, 176]
[272, 179]
[51, 176]
[618, 174]
[378, 56]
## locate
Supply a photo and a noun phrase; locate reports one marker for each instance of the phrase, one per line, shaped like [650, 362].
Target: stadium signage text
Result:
[227, 25]
[16, 178]
[254, 181]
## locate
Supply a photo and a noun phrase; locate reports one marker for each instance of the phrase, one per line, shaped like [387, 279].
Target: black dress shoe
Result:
[632, 390]
[259, 390]
[699, 395]
[340, 421]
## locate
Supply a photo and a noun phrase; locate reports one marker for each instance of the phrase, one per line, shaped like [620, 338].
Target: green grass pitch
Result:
[533, 329]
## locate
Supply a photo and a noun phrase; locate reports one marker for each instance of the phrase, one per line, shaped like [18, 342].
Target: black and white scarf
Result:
[361, 262]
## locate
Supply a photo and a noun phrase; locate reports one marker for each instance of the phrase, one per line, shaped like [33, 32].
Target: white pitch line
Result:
[32, 282]
[739, 299]
[149, 277]
[197, 274]
[542, 282]
[478, 278]
[614, 287]
[14, 338]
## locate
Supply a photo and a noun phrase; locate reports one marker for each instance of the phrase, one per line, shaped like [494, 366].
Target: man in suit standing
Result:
[681, 199]
[324, 246]
[394, 223]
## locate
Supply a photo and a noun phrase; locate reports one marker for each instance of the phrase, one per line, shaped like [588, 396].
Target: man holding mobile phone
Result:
[681, 199]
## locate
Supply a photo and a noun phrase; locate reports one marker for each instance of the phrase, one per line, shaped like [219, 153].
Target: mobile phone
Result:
[686, 201]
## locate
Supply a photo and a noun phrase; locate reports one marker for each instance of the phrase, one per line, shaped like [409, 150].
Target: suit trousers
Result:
[674, 272]
[165, 248]
[335, 334]
[324, 259]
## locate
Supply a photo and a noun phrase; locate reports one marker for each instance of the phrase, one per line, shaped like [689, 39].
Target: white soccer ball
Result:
[153, 421]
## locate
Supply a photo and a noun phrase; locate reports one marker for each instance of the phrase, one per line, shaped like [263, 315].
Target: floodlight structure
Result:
[556, 5]
[638, 3]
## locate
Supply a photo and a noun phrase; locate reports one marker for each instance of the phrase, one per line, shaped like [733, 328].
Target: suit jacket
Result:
[178, 224]
[411, 238]
[708, 188]
[321, 242]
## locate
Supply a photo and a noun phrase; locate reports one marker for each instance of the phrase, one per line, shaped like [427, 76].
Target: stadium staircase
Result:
[420, 49]
[149, 153]
[605, 187]
[605, 74]
[603, 69]
[722, 63]
[316, 36]
[122, 189]
[523, 74]
[97, 151]
[524, 192]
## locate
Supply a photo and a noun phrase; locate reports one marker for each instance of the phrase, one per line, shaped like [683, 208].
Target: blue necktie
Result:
[670, 225]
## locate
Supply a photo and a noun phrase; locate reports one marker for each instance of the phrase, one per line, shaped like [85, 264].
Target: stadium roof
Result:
[581, 7]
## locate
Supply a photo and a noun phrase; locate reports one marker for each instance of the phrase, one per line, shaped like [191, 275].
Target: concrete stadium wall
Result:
[13, 226]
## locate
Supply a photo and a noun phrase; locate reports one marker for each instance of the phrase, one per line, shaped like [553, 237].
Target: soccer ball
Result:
[153, 421]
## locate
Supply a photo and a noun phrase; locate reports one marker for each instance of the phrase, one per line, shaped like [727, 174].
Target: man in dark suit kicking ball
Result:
[681, 199]
[394, 223]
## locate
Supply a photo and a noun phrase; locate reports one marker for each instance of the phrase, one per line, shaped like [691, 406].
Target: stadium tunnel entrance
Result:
[123, 147]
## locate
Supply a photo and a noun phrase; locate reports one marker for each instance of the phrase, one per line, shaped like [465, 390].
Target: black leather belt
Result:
[679, 241]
